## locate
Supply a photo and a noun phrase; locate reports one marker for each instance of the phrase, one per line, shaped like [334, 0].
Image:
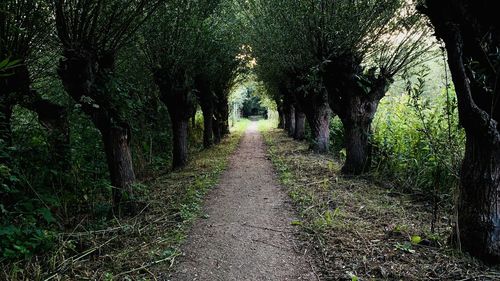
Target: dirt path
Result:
[246, 234]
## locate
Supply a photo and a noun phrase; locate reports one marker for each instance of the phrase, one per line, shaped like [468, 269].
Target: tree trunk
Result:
[317, 111]
[84, 75]
[225, 118]
[478, 212]
[459, 24]
[358, 147]
[216, 131]
[319, 122]
[180, 142]
[300, 125]
[208, 113]
[357, 118]
[281, 118]
[116, 141]
[289, 119]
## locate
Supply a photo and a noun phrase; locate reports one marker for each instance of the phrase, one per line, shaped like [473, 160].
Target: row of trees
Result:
[186, 47]
[324, 58]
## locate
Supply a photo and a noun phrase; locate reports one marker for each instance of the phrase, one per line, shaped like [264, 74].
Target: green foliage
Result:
[6, 65]
[25, 218]
[418, 140]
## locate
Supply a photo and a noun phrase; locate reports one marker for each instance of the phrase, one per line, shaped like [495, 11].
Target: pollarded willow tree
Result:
[470, 31]
[364, 45]
[218, 63]
[196, 63]
[24, 39]
[172, 46]
[91, 33]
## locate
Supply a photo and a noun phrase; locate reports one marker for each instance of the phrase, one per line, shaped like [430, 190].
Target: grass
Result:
[142, 247]
[357, 229]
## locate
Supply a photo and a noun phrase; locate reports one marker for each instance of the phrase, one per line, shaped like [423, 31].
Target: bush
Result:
[418, 141]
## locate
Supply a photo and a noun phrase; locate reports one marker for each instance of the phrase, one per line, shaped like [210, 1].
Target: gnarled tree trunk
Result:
[216, 130]
[180, 141]
[479, 200]
[357, 122]
[180, 105]
[116, 141]
[471, 33]
[180, 102]
[84, 75]
[315, 107]
[300, 124]
[356, 103]
[289, 113]
[208, 130]
[281, 114]
[225, 117]
[206, 100]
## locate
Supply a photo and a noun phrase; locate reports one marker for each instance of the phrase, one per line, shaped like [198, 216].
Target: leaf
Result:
[13, 63]
[296, 222]
[415, 239]
[4, 63]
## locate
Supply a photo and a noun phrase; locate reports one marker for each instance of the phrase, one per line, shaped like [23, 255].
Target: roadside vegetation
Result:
[139, 247]
[359, 230]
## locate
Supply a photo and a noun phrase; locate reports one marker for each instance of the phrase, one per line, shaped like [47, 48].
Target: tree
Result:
[91, 33]
[470, 31]
[24, 37]
[171, 45]
[364, 45]
[219, 56]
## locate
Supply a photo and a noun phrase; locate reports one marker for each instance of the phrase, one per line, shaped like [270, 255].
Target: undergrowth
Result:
[358, 230]
[141, 247]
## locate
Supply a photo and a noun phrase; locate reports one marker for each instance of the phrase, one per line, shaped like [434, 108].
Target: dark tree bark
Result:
[206, 99]
[53, 117]
[315, 107]
[12, 88]
[357, 120]
[289, 113]
[225, 116]
[208, 130]
[180, 142]
[471, 33]
[216, 130]
[281, 114]
[300, 125]
[221, 116]
[180, 101]
[84, 75]
[355, 101]
[116, 141]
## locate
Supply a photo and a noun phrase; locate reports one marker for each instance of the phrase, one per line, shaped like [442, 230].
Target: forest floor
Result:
[357, 230]
[246, 230]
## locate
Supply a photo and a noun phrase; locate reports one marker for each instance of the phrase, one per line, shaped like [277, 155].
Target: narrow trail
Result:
[246, 234]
